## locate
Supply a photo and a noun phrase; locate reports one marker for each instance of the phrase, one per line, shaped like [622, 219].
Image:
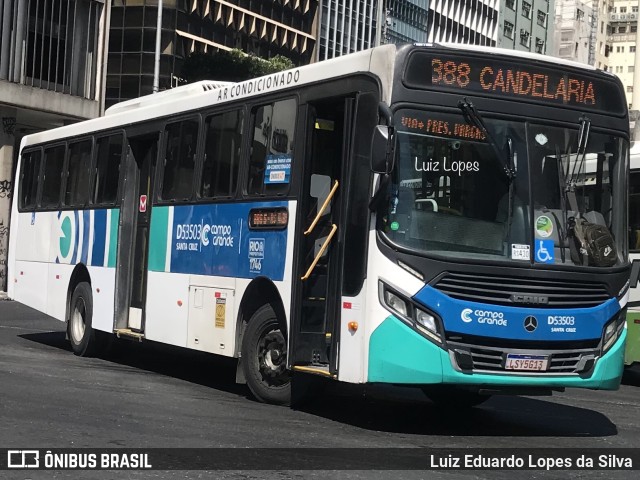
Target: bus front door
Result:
[315, 326]
[133, 233]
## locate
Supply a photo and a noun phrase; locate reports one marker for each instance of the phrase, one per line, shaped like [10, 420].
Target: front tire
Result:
[264, 358]
[84, 339]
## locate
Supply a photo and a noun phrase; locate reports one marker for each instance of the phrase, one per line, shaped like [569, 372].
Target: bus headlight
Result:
[613, 330]
[417, 317]
[426, 320]
[396, 303]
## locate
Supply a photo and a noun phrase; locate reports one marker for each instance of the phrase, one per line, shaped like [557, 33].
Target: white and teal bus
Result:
[403, 215]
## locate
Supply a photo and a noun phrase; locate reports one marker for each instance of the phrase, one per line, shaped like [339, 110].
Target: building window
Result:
[622, 29]
[511, 4]
[630, 69]
[526, 9]
[508, 29]
[633, 28]
[632, 49]
[620, 49]
[539, 45]
[579, 14]
[542, 18]
[629, 89]
[618, 69]
[634, 9]
[525, 38]
[623, 9]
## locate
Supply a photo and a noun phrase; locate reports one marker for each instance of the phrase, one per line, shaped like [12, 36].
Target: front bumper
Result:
[399, 355]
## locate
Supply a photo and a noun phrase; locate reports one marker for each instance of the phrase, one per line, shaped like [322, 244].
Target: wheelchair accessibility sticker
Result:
[544, 251]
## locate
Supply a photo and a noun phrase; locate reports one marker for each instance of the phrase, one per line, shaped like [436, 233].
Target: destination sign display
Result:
[529, 82]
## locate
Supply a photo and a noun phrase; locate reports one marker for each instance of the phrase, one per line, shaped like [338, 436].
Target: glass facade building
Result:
[261, 27]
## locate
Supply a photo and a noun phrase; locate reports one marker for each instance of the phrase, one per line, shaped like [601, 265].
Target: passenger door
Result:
[133, 232]
[318, 284]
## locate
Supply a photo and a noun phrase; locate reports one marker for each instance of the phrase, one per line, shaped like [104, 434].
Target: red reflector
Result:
[217, 294]
[57, 277]
[637, 320]
[21, 273]
[346, 305]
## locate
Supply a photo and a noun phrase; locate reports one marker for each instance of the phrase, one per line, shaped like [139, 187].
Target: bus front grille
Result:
[521, 291]
[477, 358]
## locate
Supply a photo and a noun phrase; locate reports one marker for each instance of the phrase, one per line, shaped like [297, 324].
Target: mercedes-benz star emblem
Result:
[530, 324]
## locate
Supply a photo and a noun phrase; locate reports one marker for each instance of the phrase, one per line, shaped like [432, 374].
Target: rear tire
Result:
[453, 398]
[264, 358]
[85, 341]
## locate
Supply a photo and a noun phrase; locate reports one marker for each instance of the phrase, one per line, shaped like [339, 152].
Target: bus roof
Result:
[203, 94]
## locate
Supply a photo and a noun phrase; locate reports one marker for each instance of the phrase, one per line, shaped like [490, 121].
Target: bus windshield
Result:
[451, 193]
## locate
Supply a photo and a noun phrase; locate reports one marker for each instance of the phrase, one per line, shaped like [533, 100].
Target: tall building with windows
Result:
[583, 31]
[574, 31]
[526, 25]
[261, 27]
[464, 21]
[623, 23]
[348, 26]
[406, 21]
[52, 54]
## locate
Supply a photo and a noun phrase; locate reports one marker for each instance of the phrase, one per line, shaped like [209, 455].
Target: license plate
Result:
[536, 363]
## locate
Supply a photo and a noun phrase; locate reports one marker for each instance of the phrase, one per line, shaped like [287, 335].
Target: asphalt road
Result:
[151, 395]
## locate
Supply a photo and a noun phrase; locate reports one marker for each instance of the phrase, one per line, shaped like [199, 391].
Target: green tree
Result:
[230, 66]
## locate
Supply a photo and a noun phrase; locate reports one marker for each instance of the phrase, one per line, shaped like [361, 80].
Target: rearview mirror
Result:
[381, 150]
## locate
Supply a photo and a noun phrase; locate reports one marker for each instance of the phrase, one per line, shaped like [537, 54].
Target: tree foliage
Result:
[230, 66]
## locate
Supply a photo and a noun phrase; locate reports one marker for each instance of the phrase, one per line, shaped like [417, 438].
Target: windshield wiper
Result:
[568, 180]
[581, 153]
[472, 117]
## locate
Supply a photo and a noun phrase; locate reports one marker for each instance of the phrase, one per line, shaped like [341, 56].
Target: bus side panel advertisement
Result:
[216, 240]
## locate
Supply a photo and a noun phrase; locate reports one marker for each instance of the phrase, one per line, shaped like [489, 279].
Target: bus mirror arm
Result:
[635, 274]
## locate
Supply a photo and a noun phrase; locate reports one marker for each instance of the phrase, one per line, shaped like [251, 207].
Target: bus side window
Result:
[29, 179]
[77, 187]
[179, 160]
[107, 171]
[51, 181]
[221, 155]
[272, 148]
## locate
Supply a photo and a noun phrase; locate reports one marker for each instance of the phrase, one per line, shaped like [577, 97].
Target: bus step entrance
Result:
[129, 334]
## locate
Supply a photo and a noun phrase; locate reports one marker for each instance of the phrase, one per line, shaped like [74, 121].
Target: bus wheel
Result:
[452, 398]
[264, 358]
[81, 334]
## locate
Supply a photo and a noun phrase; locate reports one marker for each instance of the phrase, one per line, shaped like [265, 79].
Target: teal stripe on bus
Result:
[158, 238]
[113, 237]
